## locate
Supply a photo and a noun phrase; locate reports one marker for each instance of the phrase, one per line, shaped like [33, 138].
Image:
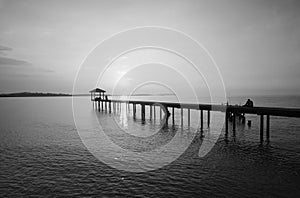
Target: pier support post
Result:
[261, 128]
[234, 124]
[166, 117]
[160, 112]
[150, 106]
[201, 120]
[226, 123]
[181, 109]
[154, 113]
[134, 110]
[208, 118]
[268, 128]
[109, 106]
[189, 117]
[143, 112]
[98, 105]
[173, 116]
[101, 105]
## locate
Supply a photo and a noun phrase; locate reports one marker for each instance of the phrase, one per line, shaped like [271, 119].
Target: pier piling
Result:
[201, 120]
[233, 123]
[143, 112]
[226, 123]
[160, 112]
[208, 118]
[150, 106]
[166, 116]
[189, 117]
[261, 128]
[154, 113]
[173, 116]
[134, 110]
[268, 128]
[181, 109]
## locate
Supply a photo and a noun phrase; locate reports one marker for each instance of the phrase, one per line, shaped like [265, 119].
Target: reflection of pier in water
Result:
[101, 102]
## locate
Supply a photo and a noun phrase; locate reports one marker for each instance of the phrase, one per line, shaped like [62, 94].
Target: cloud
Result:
[5, 61]
[12, 62]
[15, 66]
[4, 48]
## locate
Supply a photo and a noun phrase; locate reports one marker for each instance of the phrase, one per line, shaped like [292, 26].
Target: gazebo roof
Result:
[98, 90]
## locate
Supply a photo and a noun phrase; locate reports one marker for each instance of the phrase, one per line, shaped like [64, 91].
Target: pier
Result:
[101, 102]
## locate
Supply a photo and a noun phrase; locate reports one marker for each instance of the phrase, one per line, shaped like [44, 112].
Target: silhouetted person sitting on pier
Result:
[168, 113]
[249, 103]
[106, 98]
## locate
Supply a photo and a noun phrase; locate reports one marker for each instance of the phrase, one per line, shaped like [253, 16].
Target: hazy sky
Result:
[256, 44]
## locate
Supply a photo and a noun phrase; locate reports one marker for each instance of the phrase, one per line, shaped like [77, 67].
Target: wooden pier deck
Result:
[231, 111]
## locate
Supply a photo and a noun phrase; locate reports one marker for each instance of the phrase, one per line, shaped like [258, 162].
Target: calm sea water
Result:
[42, 153]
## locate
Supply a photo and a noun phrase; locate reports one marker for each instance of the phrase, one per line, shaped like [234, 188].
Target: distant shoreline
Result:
[34, 94]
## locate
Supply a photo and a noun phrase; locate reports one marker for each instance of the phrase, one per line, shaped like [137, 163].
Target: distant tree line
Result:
[33, 94]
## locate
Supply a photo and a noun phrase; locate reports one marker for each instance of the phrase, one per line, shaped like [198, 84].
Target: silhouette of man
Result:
[168, 113]
[249, 103]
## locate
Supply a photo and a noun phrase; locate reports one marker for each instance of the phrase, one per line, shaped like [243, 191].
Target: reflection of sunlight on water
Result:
[124, 112]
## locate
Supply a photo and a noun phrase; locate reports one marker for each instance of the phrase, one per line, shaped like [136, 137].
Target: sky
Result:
[255, 44]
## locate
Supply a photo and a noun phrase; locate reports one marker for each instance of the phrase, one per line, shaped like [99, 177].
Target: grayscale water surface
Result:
[42, 154]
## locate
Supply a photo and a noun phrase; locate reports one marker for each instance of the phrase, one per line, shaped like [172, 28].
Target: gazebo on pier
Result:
[97, 94]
